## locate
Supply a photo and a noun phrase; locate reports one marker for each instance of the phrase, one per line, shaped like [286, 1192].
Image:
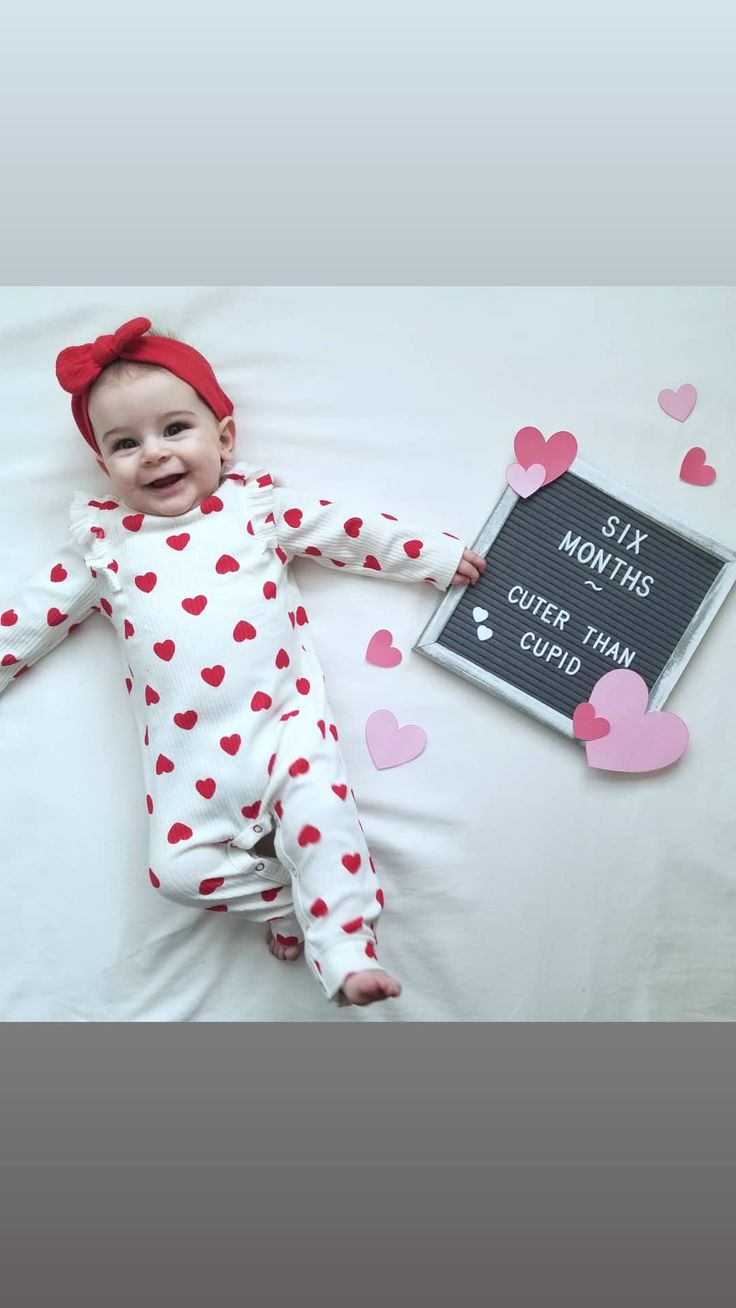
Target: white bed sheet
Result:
[520, 886]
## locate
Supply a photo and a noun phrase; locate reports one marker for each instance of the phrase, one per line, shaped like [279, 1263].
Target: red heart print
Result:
[309, 836]
[379, 896]
[154, 879]
[213, 504]
[312, 549]
[301, 616]
[106, 607]
[351, 862]
[694, 470]
[8, 660]
[213, 676]
[194, 605]
[293, 517]
[163, 764]
[352, 527]
[372, 562]
[318, 908]
[98, 533]
[112, 566]
[265, 480]
[340, 791]
[210, 884]
[230, 744]
[226, 563]
[128, 685]
[281, 555]
[58, 573]
[206, 787]
[179, 542]
[186, 720]
[146, 581]
[354, 925]
[103, 504]
[303, 686]
[298, 767]
[133, 522]
[9, 618]
[149, 803]
[413, 548]
[152, 696]
[244, 631]
[251, 810]
[269, 590]
[260, 701]
[128, 628]
[323, 728]
[333, 731]
[54, 617]
[370, 949]
[179, 831]
[164, 649]
[268, 896]
[282, 659]
[271, 763]
[585, 724]
[285, 716]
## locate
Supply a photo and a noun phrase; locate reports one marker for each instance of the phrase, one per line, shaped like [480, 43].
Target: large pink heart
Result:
[390, 745]
[638, 741]
[381, 652]
[680, 403]
[556, 454]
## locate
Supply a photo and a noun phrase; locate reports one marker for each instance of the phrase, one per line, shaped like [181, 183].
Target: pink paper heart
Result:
[586, 725]
[390, 745]
[680, 403]
[381, 652]
[556, 454]
[695, 470]
[525, 481]
[638, 741]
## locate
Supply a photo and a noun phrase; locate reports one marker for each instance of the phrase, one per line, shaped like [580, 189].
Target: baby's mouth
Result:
[163, 483]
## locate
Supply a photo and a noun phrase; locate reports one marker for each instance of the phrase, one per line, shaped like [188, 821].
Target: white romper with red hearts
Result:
[236, 732]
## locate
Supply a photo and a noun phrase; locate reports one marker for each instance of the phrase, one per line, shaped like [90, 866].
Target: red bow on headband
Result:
[79, 365]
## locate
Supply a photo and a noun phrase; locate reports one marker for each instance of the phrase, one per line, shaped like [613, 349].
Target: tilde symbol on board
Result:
[480, 615]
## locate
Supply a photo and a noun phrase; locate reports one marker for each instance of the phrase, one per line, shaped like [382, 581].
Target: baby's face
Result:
[162, 429]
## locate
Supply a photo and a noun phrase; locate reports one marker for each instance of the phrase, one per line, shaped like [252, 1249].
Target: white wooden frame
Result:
[427, 643]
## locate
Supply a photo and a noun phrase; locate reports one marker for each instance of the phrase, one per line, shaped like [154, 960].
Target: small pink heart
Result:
[556, 454]
[525, 481]
[680, 403]
[638, 741]
[695, 470]
[390, 745]
[381, 652]
[586, 725]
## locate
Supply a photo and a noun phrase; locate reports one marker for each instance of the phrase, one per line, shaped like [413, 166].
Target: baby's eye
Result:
[175, 424]
[119, 444]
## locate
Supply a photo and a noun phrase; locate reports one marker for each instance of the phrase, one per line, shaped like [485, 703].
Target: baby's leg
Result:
[226, 878]
[335, 889]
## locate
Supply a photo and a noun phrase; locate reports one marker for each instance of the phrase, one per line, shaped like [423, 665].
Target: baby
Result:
[247, 795]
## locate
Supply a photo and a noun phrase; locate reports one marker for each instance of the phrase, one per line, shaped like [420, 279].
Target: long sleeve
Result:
[48, 606]
[375, 544]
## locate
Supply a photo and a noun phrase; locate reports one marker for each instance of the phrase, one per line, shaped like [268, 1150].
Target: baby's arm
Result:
[372, 543]
[54, 599]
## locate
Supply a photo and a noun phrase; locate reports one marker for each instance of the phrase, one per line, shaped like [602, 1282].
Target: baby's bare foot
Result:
[286, 948]
[366, 987]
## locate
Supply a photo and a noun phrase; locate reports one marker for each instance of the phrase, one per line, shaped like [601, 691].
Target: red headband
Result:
[78, 366]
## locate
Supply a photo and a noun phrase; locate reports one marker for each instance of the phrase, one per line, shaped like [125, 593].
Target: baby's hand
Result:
[469, 568]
